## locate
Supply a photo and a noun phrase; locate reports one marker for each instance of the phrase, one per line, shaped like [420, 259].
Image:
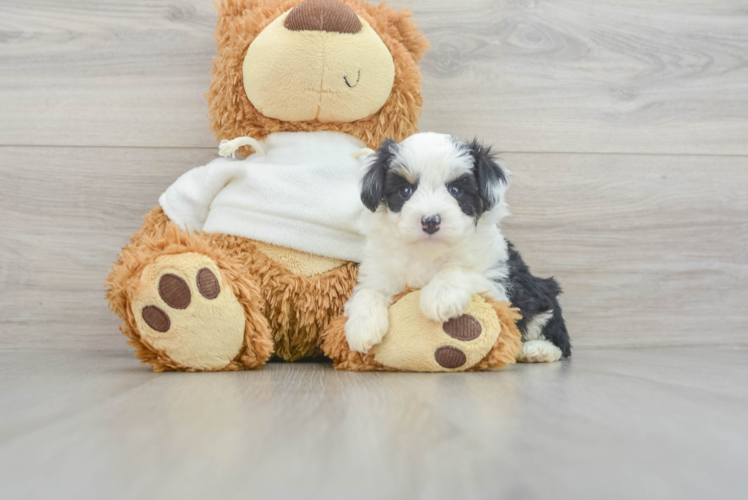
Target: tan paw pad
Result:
[416, 343]
[183, 310]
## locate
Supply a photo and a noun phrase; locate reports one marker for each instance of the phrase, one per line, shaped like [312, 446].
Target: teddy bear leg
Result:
[414, 342]
[186, 306]
[484, 337]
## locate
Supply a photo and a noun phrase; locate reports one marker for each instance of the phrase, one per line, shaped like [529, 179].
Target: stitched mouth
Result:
[358, 79]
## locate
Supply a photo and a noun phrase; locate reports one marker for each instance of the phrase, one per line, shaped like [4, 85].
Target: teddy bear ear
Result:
[412, 37]
[233, 8]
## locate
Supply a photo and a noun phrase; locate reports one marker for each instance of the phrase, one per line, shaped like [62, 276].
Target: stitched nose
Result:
[323, 15]
[431, 224]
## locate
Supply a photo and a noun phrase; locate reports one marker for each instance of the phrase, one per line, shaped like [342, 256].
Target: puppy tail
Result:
[551, 286]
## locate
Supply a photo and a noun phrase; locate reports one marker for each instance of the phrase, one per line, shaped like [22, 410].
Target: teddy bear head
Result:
[299, 66]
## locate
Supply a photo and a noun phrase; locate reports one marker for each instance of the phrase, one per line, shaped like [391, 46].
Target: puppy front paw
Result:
[368, 320]
[442, 303]
[364, 333]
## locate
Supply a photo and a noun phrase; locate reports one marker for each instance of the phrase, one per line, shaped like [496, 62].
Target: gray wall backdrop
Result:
[625, 123]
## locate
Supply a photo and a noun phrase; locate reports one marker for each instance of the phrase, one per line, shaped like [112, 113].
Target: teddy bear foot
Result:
[484, 337]
[539, 351]
[186, 313]
[415, 343]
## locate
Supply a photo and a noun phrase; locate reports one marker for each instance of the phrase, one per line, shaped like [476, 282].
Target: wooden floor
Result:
[625, 124]
[610, 424]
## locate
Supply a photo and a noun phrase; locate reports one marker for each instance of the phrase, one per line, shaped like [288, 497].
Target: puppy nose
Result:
[431, 224]
[332, 16]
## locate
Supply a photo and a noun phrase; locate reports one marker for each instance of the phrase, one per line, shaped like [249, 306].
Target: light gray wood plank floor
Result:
[609, 424]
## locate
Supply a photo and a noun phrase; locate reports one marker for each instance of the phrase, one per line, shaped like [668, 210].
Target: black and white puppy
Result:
[436, 204]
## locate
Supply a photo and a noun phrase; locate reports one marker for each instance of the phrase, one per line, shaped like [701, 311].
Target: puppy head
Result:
[434, 189]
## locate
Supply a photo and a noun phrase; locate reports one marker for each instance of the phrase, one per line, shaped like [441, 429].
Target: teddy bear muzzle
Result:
[318, 62]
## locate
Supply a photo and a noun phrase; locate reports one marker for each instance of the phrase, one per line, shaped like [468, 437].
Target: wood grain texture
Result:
[65, 213]
[651, 250]
[106, 72]
[670, 424]
[630, 76]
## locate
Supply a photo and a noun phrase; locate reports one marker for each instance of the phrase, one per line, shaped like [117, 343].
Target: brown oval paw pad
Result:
[174, 291]
[450, 357]
[207, 283]
[156, 319]
[463, 328]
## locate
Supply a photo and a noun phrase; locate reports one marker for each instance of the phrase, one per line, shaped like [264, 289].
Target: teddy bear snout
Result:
[332, 16]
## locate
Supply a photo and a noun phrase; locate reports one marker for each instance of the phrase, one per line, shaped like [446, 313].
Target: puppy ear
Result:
[372, 185]
[492, 179]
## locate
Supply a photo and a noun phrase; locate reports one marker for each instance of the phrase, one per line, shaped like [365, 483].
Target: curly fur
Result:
[286, 313]
[233, 115]
[283, 309]
[297, 307]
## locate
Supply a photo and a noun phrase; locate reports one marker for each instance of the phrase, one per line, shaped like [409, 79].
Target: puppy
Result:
[436, 204]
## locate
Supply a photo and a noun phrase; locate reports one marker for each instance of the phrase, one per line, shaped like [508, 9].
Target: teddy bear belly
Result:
[302, 263]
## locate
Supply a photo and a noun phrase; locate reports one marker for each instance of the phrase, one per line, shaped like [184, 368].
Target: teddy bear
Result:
[248, 258]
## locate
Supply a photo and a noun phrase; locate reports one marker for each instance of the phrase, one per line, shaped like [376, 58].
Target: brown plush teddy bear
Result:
[246, 258]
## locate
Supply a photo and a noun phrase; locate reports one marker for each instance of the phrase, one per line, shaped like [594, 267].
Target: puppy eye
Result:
[406, 192]
[455, 191]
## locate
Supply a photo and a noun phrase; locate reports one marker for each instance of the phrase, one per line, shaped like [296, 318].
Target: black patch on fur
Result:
[468, 198]
[533, 296]
[372, 185]
[394, 187]
[487, 173]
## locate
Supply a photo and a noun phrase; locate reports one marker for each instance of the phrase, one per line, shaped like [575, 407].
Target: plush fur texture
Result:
[158, 237]
[240, 21]
[435, 206]
[285, 308]
[503, 351]
[413, 340]
[318, 75]
[285, 312]
[178, 317]
[298, 262]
